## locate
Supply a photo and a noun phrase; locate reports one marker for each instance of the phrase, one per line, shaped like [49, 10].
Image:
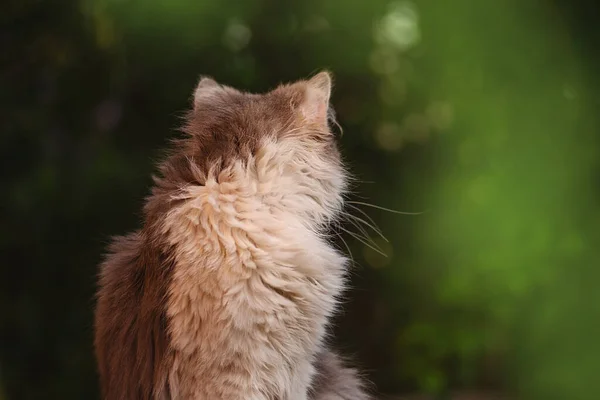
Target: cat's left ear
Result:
[316, 102]
[206, 89]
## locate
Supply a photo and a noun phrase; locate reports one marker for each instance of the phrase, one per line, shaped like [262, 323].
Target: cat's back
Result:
[130, 327]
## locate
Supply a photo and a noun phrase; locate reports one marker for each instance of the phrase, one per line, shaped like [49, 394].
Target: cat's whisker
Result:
[361, 238]
[363, 231]
[384, 208]
[366, 216]
[364, 234]
[358, 219]
[357, 237]
[355, 224]
[347, 247]
[353, 194]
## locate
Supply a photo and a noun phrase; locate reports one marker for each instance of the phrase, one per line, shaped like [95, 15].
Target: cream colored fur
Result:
[255, 279]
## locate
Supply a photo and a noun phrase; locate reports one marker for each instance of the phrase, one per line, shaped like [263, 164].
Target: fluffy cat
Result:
[226, 290]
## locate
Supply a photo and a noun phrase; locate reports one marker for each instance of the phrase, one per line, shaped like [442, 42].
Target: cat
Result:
[226, 291]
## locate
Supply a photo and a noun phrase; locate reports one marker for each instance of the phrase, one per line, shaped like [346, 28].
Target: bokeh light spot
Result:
[237, 35]
[399, 27]
[388, 136]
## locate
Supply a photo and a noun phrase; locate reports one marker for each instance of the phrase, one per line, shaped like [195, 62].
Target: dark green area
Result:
[482, 114]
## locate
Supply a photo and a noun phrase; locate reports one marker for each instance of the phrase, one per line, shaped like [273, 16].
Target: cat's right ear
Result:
[205, 90]
[315, 107]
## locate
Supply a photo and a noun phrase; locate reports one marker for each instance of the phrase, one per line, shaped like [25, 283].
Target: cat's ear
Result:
[316, 102]
[206, 89]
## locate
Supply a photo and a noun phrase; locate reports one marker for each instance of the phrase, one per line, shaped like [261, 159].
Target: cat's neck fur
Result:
[254, 279]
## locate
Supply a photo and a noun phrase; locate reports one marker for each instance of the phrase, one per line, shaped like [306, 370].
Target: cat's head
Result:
[278, 146]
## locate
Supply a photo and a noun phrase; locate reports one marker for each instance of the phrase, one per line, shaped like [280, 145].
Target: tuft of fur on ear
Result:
[205, 89]
[316, 104]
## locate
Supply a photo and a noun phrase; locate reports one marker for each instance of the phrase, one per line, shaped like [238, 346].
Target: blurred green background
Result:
[480, 114]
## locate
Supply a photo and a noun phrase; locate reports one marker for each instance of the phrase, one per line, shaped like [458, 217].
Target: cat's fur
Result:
[226, 290]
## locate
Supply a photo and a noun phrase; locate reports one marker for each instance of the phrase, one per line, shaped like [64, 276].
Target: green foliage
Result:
[480, 114]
